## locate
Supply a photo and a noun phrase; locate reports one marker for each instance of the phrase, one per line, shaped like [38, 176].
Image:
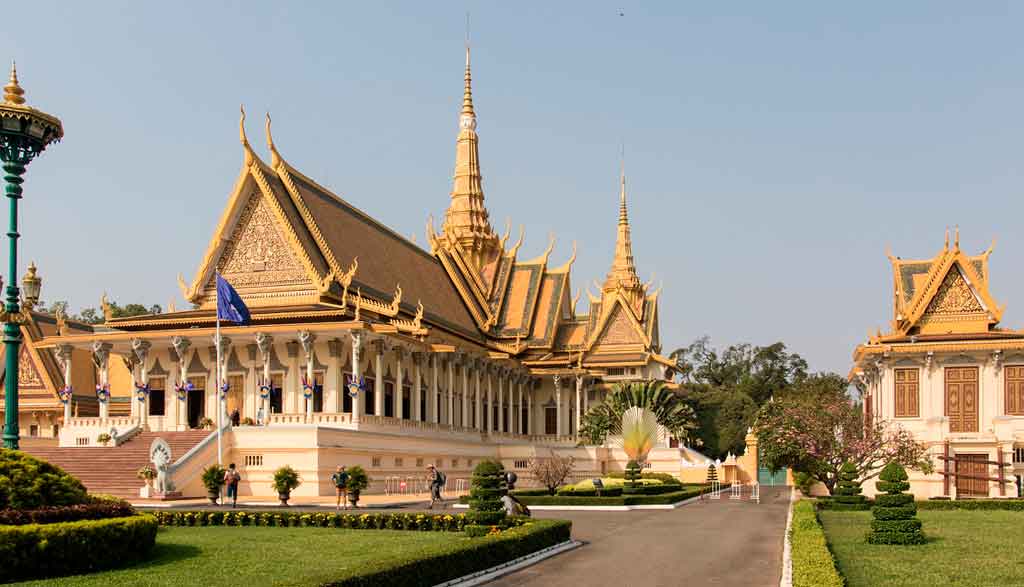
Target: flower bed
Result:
[64, 548]
[813, 565]
[619, 500]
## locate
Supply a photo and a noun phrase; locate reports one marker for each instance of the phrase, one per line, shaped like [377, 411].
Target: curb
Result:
[600, 508]
[488, 575]
[787, 548]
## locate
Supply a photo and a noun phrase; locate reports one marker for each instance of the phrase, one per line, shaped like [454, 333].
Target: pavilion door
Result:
[196, 406]
[550, 420]
[962, 398]
[236, 386]
[975, 471]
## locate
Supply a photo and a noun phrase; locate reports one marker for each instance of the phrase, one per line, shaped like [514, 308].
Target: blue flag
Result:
[229, 304]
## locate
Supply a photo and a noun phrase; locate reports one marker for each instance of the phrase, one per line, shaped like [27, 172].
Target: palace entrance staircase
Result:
[112, 470]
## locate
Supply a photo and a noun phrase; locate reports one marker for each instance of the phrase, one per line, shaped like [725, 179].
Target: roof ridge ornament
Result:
[249, 155]
[275, 158]
[13, 92]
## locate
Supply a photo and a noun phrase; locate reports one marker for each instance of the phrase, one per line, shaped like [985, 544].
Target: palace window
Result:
[375, 462]
[399, 462]
[907, 405]
[520, 464]
[419, 463]
[455, 463]
[253, 460]
[1014, 382]
[1018, 455]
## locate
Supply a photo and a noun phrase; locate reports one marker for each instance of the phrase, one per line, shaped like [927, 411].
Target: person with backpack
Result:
[231, 479]
[340, 480]
[437, 480]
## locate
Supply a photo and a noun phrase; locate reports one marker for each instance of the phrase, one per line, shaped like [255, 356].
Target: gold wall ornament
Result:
[359, 303]
[28, 375]
[257, 253]
[418, 319]
[60, 315]
[324, 284]
[954, 296]
[183, 286]
[396, 299]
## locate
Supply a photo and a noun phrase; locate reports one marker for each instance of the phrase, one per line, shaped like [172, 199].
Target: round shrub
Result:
[895, 522]
[29, 483]
[488, 487]
[632, 477]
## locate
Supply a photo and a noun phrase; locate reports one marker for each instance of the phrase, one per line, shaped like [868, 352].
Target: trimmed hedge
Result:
[70, 513]
[571, 491]
[376, 521]
[1013, 504]
[29, 483]
[488, 487]
[462, 557]
[893, 524]
[663, 477]
[626, 499]
[35, 551]
[891, 501]
[813, 565]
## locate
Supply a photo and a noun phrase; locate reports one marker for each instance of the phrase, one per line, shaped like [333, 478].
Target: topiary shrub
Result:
[632, 477]
[895, 512]
[847, 495]
[487, 488]
[712, 474]
[29, 483]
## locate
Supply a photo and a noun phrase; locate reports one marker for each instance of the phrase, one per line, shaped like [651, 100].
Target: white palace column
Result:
[558, 404]
[292, 392]
[265, 343]
[101, 353]
[579, 404]
[417, 385]
[141, 350]
[251, 397]
[529, 407]
[399, 387]
[308, 341]
[519, 404]
[64, 353]
[357, 401]
[433, 407]
[179, 415]
[334, 380]
[477, 399]
[466, 419]
[501, 400]
[489, 370]
[450, 416]
[378, 383]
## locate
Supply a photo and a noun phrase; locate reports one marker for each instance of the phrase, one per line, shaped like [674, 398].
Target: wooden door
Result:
[962, 398]
[974, 466]
[551, 421]
[236, 389]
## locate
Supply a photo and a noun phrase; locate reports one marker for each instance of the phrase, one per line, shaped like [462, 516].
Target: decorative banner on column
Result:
[307, 389]
[181, 390]
[141, 391]
[355, 387]
[265, 390]
[103, 392]
[224, 387]
[64, 394]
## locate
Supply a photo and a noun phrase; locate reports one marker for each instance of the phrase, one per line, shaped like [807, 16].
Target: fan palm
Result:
[638, 431]
[669, 409]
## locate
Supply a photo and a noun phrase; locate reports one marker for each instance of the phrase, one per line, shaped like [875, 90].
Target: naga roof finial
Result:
[275, 157]
[249, 156]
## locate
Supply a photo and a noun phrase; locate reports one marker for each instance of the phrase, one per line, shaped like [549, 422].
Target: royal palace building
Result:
[464, 348]
[948, 374]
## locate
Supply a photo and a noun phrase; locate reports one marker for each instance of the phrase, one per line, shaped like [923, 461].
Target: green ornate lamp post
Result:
[24, 133]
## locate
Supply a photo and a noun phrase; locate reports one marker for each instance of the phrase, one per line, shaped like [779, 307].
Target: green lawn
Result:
[970, 548]
[252, 556]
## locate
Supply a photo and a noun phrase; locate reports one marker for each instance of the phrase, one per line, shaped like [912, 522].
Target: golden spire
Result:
[623, 271]
[13, 94]
[275, 157]
[467, 221]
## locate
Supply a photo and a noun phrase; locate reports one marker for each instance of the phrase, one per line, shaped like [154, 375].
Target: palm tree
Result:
[668, 408]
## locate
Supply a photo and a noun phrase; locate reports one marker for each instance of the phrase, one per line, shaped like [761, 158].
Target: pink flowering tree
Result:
[815, 428]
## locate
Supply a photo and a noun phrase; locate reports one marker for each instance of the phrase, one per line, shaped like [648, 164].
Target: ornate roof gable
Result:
[950, 296]
[261, 244]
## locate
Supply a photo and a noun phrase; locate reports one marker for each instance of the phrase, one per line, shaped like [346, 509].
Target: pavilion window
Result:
[406, 401]
[346, 399]
[318, 391]
[907, 393]
[1013, 376]
[389, 398]
[369, 405]
[157, 397]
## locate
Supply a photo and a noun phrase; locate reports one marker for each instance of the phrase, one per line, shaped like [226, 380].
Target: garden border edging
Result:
[602, 508]
[488, 575]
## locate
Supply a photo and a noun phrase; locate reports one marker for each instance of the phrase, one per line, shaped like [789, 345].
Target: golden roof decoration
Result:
[19, 116]
[13, 93]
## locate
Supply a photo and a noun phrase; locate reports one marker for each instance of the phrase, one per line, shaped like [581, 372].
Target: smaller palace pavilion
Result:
[946, 372]
[465, 349]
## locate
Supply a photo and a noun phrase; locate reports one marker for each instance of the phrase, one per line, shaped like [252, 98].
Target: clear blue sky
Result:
[772, 150]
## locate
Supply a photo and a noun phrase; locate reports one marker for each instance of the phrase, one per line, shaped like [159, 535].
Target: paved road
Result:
[720, 543]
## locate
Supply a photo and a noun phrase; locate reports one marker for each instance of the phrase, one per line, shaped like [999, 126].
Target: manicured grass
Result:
[974, 548]
[264, 556]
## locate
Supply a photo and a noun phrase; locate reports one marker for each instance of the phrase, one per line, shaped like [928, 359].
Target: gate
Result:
[766, 477]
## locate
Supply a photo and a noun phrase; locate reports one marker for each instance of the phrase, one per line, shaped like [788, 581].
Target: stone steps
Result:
[112, 470]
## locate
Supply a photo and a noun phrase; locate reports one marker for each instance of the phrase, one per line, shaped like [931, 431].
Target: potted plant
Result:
[147, 473]
[103, 438]
[285, 481]
[358, 481]
[213, 480]
[205, 423]
[247, 421]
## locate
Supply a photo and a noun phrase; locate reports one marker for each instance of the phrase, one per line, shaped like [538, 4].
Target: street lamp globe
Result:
[31, 284]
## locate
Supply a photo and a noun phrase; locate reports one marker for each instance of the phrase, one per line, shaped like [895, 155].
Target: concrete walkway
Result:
[718, 542]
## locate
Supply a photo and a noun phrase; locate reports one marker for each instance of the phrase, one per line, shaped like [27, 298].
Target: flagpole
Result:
[216, 385]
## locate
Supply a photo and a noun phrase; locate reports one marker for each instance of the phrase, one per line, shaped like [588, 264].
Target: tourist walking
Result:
[340, 480]
[437, 481]
[231, 479]
[236, 417]
[261, 417]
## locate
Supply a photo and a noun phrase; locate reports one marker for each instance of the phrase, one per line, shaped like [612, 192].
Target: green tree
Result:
[723, 416]
[668, 407]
